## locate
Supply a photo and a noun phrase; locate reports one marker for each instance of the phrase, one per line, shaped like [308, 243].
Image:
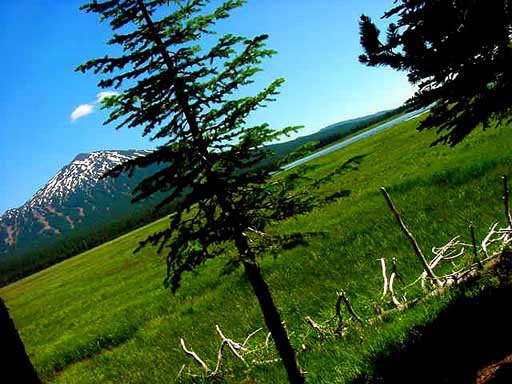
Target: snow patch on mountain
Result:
[75, 198]
[83, 172]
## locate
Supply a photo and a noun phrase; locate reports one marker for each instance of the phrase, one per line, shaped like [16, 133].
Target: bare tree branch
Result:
[250, 335]
[384, 276]
[267, 339]
[233, 346]
[219, 359]
[411, 238]
[488, 239]
[342, 296]
[394, 300]
[194, 356]
[315, 326]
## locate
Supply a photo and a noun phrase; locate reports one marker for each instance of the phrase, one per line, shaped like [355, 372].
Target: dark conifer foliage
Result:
[459, 55]
[186, 95]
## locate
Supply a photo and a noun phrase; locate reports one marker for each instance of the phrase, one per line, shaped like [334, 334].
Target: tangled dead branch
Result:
[241, 351]
[232, 345]
[455, 252]
[323, 329]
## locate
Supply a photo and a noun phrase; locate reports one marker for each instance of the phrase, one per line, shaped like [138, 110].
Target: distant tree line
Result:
[25, 263]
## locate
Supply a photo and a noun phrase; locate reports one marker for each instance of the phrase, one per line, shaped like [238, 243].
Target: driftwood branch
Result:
[239, 350]
[389, 283]
[411, 238]
[267, 339]
[323, 330]
[447, 251]
[450, 251]
[505, 200]
[384, 277]
[194, 356]
[457, 277]
[342, 297]
[488, 239]
[314, 325]
[219, 359]
[250, 335]
[232, 345]
[395, 275]
[394, 300]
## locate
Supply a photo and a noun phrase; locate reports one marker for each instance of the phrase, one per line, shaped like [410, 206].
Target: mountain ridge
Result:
[64, 202]
[77, 199]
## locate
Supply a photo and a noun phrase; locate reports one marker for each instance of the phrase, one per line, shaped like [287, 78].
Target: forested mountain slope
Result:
[75, 199]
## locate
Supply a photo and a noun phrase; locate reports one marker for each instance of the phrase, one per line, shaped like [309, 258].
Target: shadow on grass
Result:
[469, 342]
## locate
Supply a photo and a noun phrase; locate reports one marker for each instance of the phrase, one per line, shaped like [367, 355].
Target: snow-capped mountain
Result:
[75, 198]
[84, 172]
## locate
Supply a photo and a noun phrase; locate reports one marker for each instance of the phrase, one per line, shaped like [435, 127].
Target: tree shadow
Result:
[469, 336]
[15, 365]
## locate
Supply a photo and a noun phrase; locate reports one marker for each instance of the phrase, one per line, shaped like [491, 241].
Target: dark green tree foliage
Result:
[186, 96]
[459, 55]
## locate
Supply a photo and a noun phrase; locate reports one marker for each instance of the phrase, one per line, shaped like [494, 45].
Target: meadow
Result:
[105, 317]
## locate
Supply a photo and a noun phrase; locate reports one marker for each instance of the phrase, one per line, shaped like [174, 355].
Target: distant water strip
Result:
[353, 139]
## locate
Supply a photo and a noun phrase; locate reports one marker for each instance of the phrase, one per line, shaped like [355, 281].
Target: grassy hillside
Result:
[335, 132]
[104, 315]
[95, 229]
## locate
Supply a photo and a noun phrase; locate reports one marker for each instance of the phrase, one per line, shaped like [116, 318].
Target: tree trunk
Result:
[273, 322]
[15, 366]
[261, 289]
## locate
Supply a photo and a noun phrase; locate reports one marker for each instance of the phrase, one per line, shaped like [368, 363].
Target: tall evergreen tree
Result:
[459, 55]
[186, 95]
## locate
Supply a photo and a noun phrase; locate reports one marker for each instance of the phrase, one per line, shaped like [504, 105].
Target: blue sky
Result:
[42, 41]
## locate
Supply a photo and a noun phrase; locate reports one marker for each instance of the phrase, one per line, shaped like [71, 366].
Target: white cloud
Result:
[100, 96]
[81, 111]
[86, 109]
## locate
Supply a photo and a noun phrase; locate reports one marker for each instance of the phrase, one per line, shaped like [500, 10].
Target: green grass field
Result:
[105, 317]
